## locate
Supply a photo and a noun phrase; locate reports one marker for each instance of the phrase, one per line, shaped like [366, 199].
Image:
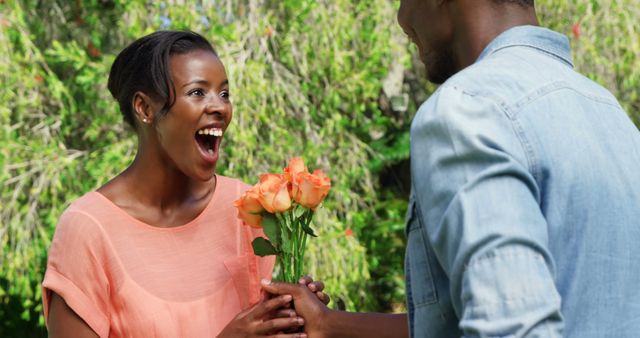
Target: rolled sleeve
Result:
[77, 299]
[76, 270]
[479, 203]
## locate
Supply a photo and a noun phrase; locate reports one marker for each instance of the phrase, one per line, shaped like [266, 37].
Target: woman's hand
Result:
[257, 322]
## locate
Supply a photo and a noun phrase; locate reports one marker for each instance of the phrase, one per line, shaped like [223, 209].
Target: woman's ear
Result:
[143, 108]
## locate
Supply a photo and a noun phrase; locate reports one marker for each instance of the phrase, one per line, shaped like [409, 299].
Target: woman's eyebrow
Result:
[205, 82]
[200, 81]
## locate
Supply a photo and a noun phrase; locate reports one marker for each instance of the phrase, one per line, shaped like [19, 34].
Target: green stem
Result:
[291, 255]
[291, 231]
[303, 240]
[284, 255]
[282, 273]
[298, 262]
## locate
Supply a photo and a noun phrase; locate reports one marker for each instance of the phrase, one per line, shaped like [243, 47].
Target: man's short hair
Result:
[526, 3]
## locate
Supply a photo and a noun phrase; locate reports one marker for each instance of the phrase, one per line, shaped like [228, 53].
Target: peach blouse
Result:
[126, 278]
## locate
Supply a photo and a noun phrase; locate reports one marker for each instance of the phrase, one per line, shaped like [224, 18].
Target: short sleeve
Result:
[76, 270]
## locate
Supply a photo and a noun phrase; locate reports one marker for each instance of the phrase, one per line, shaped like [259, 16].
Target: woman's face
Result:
[190, 133]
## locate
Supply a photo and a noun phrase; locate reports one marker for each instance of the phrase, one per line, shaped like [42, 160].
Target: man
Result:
[524, 219]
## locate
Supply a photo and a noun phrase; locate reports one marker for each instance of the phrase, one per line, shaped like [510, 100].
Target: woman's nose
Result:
[217, 105]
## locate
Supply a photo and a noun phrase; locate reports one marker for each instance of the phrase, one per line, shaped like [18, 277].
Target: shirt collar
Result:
[539, 38]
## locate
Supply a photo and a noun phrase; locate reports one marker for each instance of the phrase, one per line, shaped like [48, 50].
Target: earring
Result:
[145, 120]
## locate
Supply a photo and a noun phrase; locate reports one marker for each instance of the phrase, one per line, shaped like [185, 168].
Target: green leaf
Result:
[308, 229]
[262, 247]
[272, 229]
[299, 212]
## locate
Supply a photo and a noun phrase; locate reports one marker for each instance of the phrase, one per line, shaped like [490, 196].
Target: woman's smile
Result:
[208, 141]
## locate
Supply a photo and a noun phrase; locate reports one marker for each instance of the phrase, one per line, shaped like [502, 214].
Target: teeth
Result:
[210, 131]
[210, 151]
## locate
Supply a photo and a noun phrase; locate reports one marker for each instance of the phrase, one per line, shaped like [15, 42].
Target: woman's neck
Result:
[154, 181]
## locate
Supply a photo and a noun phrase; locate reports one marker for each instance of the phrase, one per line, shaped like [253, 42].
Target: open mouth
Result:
[208, 140]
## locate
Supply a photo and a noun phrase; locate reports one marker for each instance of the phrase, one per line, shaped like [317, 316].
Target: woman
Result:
[158, 250]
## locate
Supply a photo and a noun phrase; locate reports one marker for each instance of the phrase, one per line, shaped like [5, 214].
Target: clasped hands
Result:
[275, 317]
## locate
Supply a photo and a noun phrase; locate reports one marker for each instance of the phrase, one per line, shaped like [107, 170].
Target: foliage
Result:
[310, 77]
[605, 41]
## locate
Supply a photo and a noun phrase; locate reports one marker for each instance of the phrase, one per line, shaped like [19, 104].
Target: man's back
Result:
[525, 178]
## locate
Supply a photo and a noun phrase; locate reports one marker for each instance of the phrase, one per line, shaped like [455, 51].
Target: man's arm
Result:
[480, 204]
[354, 324]
[322, 322]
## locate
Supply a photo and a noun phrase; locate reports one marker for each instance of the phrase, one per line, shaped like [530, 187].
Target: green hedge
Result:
[308, 77]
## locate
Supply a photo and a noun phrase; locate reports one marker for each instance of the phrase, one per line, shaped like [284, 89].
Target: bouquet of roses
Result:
[283, 206]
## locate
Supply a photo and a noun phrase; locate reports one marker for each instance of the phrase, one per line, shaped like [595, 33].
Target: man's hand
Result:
[321, 322]
[307, 304]
[316, 287]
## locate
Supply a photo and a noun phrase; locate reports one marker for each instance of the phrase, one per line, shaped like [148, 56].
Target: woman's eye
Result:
[196, 92]
[225, 94]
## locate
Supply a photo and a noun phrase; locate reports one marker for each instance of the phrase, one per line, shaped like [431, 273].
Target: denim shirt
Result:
[524, 219]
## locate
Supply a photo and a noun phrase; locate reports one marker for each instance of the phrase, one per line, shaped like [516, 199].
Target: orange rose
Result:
[296, 166]
[252, 220]
[311, 188]
[249, 207]
[251, 200]
[274, 194]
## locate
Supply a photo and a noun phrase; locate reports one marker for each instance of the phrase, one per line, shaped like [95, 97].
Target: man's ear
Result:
[143, 107]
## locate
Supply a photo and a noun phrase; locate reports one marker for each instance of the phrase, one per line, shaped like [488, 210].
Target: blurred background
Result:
[335, 81]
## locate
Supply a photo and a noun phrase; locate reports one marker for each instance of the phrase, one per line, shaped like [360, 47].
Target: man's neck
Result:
[480, 22]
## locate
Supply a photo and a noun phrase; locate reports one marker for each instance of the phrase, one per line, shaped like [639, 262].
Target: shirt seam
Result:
[492, 256]
[517, 129]
[425, 242]
[551, 51]
[513, 110]
[108, 244]
[487, 304]
[106, 241]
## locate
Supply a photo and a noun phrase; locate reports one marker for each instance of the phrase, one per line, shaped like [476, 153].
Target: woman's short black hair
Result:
[144, 66]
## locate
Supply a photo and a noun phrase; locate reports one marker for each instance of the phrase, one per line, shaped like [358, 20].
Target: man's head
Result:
[445, 31]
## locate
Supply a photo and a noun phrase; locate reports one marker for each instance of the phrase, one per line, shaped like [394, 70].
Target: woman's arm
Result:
[64, 322]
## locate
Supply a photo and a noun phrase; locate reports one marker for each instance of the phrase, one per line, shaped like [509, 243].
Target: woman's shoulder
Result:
[91, 203]
[90, 211]
[80, 228]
